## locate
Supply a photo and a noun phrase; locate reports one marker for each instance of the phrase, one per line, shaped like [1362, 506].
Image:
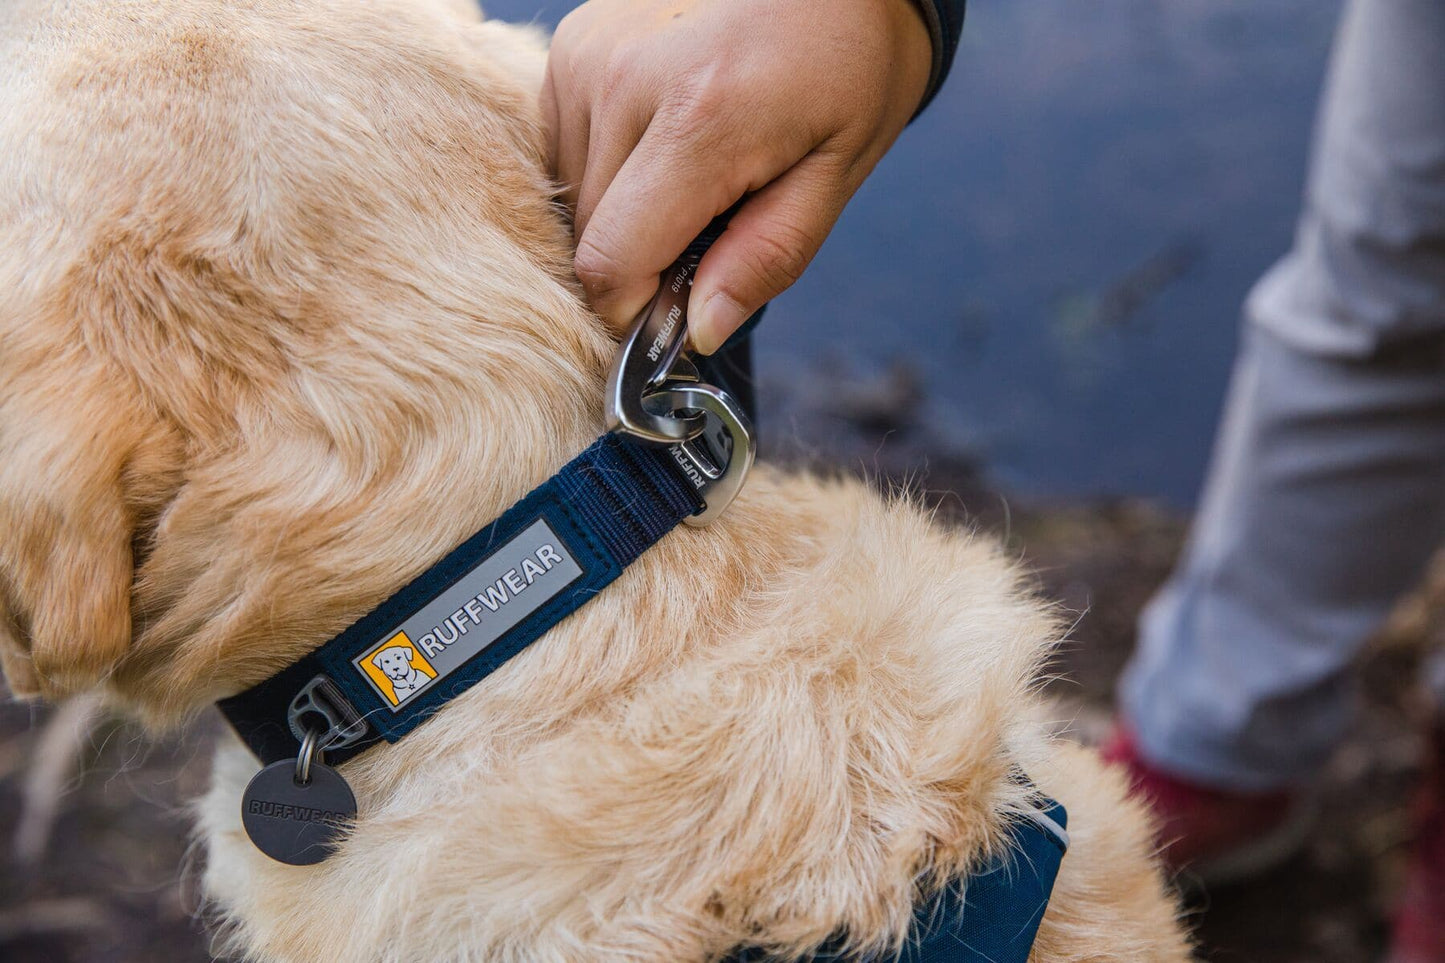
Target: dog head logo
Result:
[397, 669]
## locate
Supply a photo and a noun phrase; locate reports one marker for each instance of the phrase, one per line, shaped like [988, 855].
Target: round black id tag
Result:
[293, 822]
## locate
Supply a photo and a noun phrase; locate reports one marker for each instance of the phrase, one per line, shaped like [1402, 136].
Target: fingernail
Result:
[716, 319]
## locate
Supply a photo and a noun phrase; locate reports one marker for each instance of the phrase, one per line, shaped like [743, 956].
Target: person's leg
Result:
[1327, 490]
[1324, 502]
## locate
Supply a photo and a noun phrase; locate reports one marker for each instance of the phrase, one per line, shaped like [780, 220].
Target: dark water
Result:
[1058, 248]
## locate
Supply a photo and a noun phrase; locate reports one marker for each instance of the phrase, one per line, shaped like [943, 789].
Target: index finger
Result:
[663, 196]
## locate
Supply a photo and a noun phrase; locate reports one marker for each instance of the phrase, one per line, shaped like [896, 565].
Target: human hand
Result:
[663, 113]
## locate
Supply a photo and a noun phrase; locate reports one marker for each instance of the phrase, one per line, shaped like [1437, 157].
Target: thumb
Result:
[768, 243]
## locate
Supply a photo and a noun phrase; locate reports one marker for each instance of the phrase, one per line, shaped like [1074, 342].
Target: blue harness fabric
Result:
[992, 916]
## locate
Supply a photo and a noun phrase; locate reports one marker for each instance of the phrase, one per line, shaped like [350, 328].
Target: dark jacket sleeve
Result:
[945, 25]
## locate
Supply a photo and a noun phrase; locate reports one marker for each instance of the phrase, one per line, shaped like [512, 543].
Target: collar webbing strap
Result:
[991, 916]
[486, 601]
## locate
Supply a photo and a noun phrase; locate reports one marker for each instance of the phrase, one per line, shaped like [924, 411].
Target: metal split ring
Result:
[310, 749]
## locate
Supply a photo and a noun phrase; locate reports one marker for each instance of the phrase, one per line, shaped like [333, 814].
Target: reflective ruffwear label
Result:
[475, 611]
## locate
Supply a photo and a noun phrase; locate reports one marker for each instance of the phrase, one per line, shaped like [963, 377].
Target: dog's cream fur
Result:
[287, 314]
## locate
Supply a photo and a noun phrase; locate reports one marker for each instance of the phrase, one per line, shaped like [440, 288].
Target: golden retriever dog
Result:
[287, 315]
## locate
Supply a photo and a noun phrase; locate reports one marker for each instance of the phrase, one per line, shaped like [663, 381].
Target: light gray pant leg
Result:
[1325, 499]
[1326, 493]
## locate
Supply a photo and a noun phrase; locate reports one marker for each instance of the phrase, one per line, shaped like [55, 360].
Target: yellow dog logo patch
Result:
[397, 669]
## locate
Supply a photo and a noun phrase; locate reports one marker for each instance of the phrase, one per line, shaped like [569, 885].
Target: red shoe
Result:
[1419, 932]
[1221, 837]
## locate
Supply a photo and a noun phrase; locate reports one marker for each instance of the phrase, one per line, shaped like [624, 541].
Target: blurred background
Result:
[1027, 314]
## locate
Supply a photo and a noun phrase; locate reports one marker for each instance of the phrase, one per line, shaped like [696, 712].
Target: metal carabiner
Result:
[651, 356]
[656, 395]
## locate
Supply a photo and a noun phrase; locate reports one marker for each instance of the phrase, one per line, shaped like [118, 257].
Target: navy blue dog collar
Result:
[464, 617]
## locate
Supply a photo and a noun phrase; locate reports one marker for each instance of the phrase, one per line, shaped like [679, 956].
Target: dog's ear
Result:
[410, 655]
[80, 475]
[376, 660]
